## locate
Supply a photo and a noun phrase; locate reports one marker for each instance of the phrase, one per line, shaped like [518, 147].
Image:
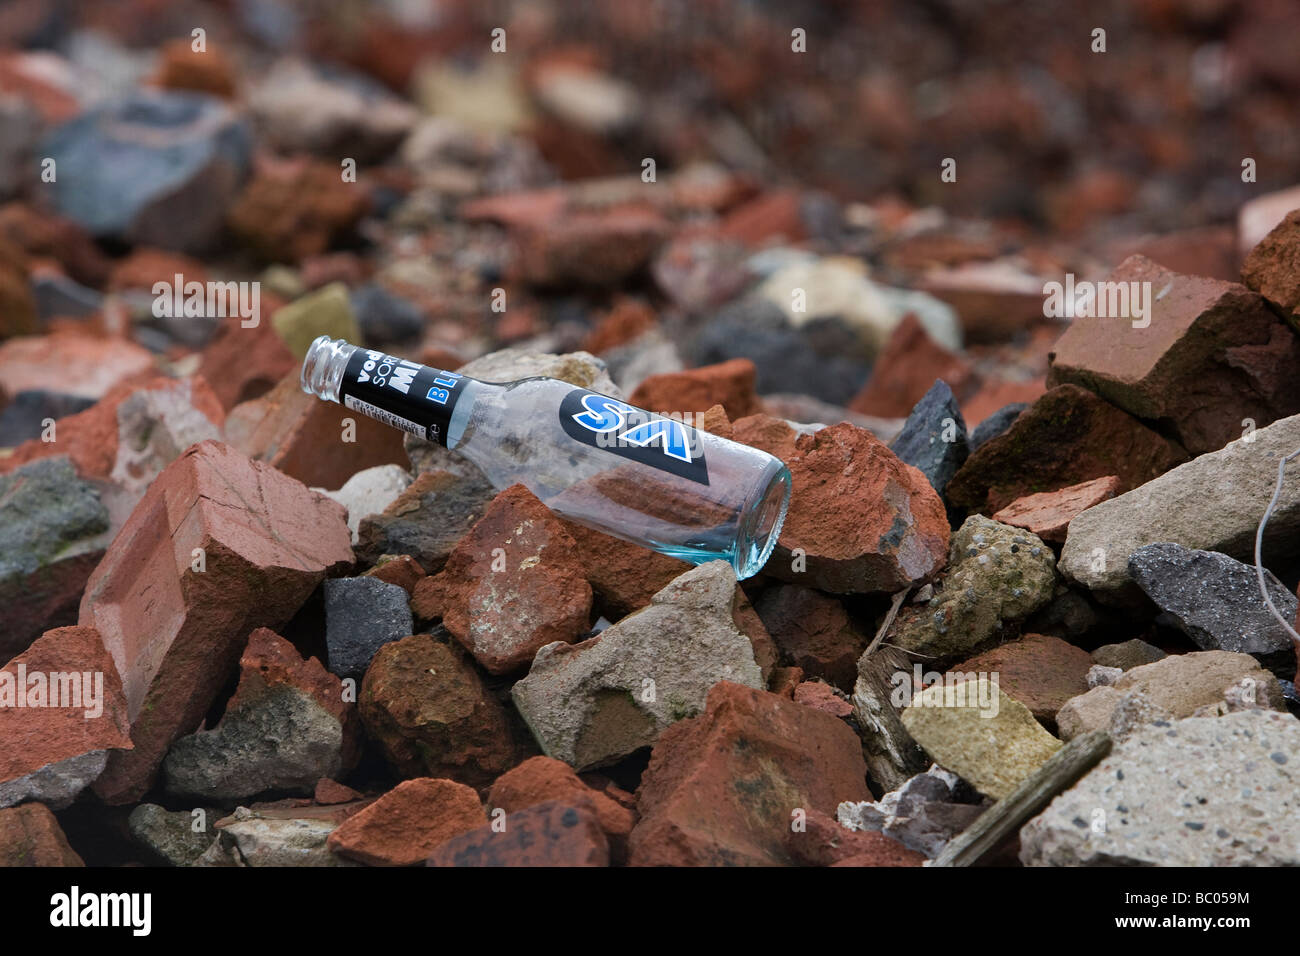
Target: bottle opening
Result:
[323, 367]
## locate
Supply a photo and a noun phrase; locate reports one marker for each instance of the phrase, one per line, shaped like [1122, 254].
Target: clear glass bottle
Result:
[646, 478]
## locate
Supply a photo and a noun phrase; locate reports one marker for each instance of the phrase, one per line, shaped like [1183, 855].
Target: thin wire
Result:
[1259, 546]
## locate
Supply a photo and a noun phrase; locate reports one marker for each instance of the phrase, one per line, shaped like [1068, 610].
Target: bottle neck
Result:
[415, 398]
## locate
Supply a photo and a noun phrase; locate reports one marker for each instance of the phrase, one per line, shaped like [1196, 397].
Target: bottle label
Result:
[633, 433]
[415, 398]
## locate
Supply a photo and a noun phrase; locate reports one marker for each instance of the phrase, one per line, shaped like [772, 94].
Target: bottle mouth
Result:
[762, 525]
[323, 367]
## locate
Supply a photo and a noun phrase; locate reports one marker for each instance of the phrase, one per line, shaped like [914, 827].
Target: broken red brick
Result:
[1048, 514]
[723, 788]
[31, 836]
[729, 384]
[539, 779]
[906, 368]
[218, 546]
[406, 824]
[549, 834]
[67, 744]
[514, 584]
[303, 437]
[860, 520]
[1209, 355]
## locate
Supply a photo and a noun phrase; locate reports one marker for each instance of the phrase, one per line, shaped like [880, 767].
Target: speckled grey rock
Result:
[1215, 600]
[177, 837]
[52, 524]
[427, 520]
[361, 616]
[1128, 655]
[1221, 791]
[996, 574]
[158, 168]
[284, 740]
[1213, 502]
[933, 438]
[254, 840]
[995, 424]
[593, 703]
[22, 419]
[1203, 683]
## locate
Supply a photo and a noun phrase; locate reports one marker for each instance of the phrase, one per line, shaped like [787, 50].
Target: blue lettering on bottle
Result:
[602, 414]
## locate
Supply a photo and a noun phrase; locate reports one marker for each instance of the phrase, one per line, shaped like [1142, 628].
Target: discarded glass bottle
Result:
[652, 480]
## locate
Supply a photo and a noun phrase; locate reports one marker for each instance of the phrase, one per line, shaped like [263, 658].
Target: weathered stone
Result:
[55, 529]
[512, 585]
[1215, 601]
[757, 330]
[1200, 792]
[975, 730]
[31, 836]
[301, 110]
[156, 168]
[1040, 672]
[406, 824]
[218, 546]
[1178, 686]
[593, 703]
[721, 788]
[1127, 655]
[62, 712]
[862, 520]
[1210, 355]
[933, 439]
[326, 311]
[550, 834]
[361, 616]
[997, 574]
[285, 728]
[252, 838]
[427, 520]
[1048, 514]
[1212, 503]
[426, 708]
[170, 835]
[1066, 437]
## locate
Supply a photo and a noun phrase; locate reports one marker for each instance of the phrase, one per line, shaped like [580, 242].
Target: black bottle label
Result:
[415, 398]
[633, 433]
